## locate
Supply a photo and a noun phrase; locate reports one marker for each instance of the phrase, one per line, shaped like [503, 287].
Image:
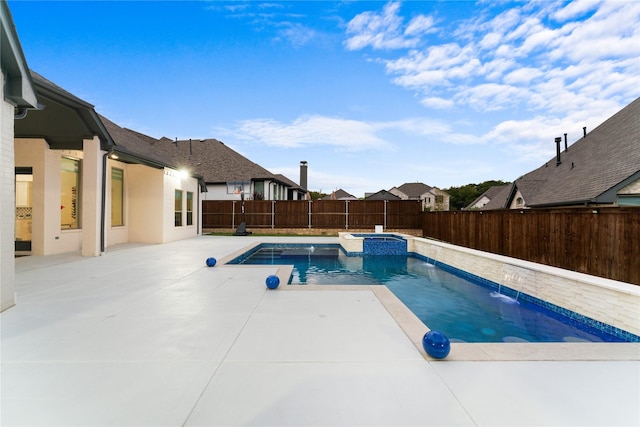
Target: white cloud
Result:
[380, 30]
[342, 134]
[296, 34]
[522, 75]
[345, 135]
[435, 102]
[575, 9]
[421, 24]
[524, 57]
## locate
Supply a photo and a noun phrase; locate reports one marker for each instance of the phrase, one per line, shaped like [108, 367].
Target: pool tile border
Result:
[571, 315]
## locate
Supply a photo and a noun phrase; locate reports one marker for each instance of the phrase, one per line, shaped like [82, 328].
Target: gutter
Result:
[103, 201]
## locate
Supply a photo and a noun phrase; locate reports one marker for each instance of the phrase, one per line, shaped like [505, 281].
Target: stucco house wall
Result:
[174, 180]
[146, 189]
[7, 203]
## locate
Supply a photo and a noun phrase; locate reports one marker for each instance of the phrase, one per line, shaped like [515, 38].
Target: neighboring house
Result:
[602, 168]
[339, 195]
[432, 198]
[226, 173]
[493, 198]
[381, 195]
[83, 183]
[18, 97]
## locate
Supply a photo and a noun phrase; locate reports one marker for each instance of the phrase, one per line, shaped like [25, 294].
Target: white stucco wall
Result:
[7, 204]
[145, 201]
[174, 180]
[91, 196]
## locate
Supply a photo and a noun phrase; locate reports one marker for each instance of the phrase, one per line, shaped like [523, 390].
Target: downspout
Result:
[103, 202]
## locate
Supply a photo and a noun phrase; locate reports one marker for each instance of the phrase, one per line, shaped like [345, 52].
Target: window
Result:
[439, 198]
[189, 208]
[70, 194]
[117, 197]
[259, 189]
[519, 201]
[238, 187]
[178, 208]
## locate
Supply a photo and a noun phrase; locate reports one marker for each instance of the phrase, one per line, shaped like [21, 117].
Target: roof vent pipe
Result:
[584, 130]
[303, 174]
[566, 147]
[558, 161]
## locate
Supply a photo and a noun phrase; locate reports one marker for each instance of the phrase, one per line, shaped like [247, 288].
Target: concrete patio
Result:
[147, 335]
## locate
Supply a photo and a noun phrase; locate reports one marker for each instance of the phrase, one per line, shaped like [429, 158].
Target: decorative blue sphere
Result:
[436, 344]
[273, 281]
[211, 262]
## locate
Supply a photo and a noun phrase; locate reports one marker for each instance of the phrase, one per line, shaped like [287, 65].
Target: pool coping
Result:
[414, 329]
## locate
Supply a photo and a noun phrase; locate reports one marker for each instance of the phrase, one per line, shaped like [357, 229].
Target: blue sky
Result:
[371, 94]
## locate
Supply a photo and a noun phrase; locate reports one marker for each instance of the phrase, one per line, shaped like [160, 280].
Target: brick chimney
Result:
[303, 174]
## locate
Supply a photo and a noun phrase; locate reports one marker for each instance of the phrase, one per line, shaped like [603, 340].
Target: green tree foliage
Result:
[315, 195]
[464, 195]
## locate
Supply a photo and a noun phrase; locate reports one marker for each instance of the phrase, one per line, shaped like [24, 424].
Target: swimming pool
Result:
[464, 309]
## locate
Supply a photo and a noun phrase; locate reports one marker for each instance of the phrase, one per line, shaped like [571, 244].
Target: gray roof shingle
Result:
[210, 158]
[605, 158]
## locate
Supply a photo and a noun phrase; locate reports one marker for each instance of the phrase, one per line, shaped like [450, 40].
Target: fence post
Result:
[346, 214]
[310, 213]
[384, 220]
[273, 214]
[233, 214]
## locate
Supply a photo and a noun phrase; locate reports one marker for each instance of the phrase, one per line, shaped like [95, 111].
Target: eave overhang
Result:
[65, 120]
[19, 89]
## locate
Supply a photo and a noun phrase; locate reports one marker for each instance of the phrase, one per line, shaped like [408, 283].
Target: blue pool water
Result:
[465, 311]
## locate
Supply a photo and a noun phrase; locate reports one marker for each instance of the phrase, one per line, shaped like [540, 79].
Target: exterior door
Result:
[24, 189]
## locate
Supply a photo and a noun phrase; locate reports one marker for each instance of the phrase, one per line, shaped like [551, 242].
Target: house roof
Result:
[339, 195]
[210, 158]
[382, 195]
[133, 144]
[214, 160]
[498, 193]
[288, 182]
[414, 189]
[592, 169]
[63, 119]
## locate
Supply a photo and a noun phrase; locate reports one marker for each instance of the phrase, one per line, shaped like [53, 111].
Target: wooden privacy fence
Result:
[327, 214]
[602, 242]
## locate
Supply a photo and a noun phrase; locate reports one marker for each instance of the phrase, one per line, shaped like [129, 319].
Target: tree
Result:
[315, 195]
[464, 195]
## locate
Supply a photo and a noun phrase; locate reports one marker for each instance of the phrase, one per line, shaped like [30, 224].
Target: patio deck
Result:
[147, 335]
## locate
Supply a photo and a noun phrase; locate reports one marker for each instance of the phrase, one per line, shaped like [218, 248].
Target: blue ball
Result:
[211, 262]
[273, 281]
[436, 344]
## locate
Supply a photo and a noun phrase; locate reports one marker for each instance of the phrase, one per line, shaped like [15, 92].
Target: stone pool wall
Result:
[608, 301]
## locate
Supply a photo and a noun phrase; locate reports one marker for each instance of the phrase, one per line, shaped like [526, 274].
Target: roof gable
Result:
[496, 193]
[382, 195]
[414, 189]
